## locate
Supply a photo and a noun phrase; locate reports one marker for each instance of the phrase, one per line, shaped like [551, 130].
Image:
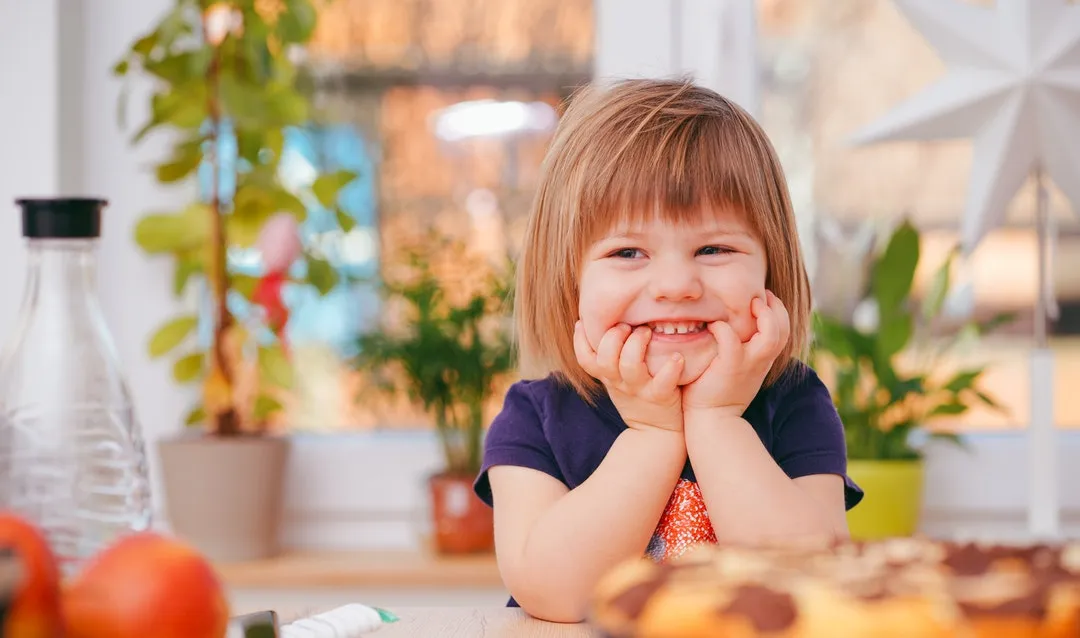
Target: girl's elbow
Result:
[550, 602]
[555, 613]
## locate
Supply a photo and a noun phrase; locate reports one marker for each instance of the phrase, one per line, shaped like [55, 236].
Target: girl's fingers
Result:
[586, 356]
[666, 380]
[783, 318]
[607, 353]
[632, 368]
[727, 342]
[773, 328]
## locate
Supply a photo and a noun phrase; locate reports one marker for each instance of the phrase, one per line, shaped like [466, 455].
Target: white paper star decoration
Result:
[1013, 85]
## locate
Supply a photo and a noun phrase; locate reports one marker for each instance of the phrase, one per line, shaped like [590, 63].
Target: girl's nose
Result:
[675, 281]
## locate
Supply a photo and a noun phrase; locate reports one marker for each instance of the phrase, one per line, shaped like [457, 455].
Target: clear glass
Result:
[72, 457]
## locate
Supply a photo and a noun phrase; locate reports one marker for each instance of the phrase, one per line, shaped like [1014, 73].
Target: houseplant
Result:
[892, 379]
[226, 90]
[447, 351]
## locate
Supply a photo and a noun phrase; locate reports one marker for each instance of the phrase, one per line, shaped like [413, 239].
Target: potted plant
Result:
[891, 378]
[226, 89]
[447, 350]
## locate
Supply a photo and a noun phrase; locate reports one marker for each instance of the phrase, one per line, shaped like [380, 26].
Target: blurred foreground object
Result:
[146, 585]
[29, 581]
[72, 458]
[892, 588]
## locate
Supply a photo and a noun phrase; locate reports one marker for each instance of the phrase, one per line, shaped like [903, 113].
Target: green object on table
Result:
[893, 498]
[386, 616]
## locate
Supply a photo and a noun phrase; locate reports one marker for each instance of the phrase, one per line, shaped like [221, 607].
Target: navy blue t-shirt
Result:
[544, 425]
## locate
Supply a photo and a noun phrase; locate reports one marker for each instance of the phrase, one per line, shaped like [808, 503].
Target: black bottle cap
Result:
[61, 217]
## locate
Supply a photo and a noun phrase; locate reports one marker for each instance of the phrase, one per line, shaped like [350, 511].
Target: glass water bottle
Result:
[72, 458]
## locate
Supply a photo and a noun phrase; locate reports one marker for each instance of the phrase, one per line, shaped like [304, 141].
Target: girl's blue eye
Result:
[714, 250]
[626, 253]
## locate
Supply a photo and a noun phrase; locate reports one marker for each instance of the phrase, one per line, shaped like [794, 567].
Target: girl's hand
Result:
[734, 377]
[643, 401]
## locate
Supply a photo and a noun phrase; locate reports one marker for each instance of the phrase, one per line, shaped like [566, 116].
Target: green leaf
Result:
[120, 69]
[345, 220]
[840, 340]
[187, 368]
[171, 335]
[989, 401]
[949, 409]
[144, 46]
[196, 416]
[894, 333]
[327, 187]
[939, 289]
[288, 108]
[289, 203]
[894, 271]
[174, 69]
[265, 406]
[178, 168]
[163, 232]
[274, 366]
[297, 22]
[963, 380]
[321, 274]
[185, 268]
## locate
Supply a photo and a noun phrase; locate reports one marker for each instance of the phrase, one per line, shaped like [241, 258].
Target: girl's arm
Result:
[554, 544]
[750, 499]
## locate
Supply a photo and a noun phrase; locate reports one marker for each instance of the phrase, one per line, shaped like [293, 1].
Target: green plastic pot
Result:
[893, 499]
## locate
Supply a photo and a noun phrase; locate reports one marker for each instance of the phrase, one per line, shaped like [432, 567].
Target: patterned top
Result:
[684, 523]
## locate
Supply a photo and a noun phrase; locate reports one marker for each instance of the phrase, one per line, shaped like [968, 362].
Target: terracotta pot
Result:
[224, 494]
[463, 523]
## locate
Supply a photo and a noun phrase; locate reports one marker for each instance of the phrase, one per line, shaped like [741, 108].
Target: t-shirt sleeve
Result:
[810, 436]
[516, 437]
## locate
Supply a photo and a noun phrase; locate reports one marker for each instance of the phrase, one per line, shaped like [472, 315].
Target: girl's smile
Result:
[674, 279]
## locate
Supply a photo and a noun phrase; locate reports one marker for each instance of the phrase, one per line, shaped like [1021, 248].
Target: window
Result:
[831, 66]
[445, 108]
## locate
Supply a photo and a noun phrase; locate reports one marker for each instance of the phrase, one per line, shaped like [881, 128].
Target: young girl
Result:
[663, 304]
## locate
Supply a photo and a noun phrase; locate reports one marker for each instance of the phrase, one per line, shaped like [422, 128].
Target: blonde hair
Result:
[637, 149]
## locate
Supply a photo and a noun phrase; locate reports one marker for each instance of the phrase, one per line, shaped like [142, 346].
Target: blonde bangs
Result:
[675, 169]
[633, 152]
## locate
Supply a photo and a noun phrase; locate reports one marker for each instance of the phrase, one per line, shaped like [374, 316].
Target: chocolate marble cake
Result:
[898, 588]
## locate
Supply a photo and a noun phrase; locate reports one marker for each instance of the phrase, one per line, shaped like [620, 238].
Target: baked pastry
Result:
[1016, 590]
[895, 588]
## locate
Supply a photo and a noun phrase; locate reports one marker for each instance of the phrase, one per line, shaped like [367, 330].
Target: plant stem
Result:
[226, 422]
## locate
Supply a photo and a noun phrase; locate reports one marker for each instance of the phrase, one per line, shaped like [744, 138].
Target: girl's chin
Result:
[697, 360]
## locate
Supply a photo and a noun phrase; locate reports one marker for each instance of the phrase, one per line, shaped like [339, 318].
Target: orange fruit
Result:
[34, 611]
[146, 584]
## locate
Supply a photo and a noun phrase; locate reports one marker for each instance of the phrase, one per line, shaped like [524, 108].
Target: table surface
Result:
[463, 622]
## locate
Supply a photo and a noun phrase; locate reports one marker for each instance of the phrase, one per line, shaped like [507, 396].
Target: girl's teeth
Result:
[676, 327]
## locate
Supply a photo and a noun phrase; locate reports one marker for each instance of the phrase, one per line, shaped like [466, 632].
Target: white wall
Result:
[29, 145]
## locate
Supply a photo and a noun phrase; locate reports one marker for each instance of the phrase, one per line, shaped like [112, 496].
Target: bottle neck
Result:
[61, 274]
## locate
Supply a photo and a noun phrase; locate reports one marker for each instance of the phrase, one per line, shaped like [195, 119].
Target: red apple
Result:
[146, 584]
[35, 611]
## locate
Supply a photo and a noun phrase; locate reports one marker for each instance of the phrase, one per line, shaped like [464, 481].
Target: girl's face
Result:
[674, 279]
